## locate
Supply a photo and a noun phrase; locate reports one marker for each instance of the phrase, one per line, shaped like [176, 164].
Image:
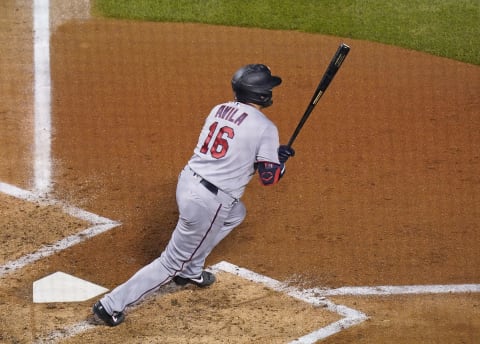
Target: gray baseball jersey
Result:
[233, 138]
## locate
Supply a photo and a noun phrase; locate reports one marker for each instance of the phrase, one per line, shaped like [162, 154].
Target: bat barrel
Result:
[327, 78]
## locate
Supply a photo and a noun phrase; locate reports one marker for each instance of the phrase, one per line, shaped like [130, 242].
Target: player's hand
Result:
[285, 152]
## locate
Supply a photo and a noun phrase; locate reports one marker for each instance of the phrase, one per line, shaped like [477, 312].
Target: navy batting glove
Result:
[285, 152]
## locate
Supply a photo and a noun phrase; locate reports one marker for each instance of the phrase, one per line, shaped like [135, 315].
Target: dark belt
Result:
[212, 188]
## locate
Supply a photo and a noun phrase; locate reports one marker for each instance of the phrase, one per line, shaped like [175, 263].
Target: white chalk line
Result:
[99, 225]
[42, 151]
[42, 97]
[39, 199]
[42, 168]
[48, 250]
[315, 297]
[350, 316]
[399, 290]
[69, 332]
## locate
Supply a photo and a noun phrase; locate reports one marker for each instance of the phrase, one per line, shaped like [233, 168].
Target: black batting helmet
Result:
[253, 83]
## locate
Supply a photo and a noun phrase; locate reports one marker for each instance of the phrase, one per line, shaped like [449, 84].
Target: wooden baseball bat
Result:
[327, 78]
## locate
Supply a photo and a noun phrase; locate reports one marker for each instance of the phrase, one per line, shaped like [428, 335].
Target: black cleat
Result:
[111, 320]
[204, 280]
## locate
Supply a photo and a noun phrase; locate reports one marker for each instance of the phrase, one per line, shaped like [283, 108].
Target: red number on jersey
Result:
[220, 145]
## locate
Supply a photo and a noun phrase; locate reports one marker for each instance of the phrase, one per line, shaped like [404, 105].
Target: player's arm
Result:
[269, 172]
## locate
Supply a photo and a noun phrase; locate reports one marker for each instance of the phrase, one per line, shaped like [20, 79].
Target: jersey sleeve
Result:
[268, 145]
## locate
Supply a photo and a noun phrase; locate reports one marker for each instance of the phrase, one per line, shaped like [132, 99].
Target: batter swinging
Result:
[237, 140]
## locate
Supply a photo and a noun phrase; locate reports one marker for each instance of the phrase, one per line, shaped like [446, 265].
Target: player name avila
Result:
[229, 113]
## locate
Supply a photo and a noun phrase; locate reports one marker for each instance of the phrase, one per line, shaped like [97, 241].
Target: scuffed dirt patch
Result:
[233, 310]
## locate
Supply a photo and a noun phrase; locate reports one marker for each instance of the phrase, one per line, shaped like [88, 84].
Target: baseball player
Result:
[236, 142]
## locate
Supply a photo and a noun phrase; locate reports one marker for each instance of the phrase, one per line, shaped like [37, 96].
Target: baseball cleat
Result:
[111, 320]
[204, 280]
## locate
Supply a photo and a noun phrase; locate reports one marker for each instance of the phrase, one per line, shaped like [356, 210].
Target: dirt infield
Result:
[384, 189]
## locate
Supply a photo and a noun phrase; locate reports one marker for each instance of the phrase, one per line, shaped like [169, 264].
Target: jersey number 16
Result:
[219, 147]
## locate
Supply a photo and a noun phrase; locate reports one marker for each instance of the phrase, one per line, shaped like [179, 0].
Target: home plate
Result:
[61, 287]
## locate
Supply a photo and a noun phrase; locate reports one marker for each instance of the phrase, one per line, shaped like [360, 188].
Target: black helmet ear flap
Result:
[253, 83]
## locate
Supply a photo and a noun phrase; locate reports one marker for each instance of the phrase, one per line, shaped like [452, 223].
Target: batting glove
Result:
[285, 152]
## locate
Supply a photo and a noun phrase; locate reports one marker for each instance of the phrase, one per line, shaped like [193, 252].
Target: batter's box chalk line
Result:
[98, 223]
[350, 316]
[318, 297]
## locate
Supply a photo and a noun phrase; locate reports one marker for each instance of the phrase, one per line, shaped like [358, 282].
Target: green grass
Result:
[449, 28]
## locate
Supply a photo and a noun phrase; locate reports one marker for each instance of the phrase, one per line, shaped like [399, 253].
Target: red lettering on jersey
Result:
[240, 119]
[228, 113]
[219, 113]
[224, 112]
